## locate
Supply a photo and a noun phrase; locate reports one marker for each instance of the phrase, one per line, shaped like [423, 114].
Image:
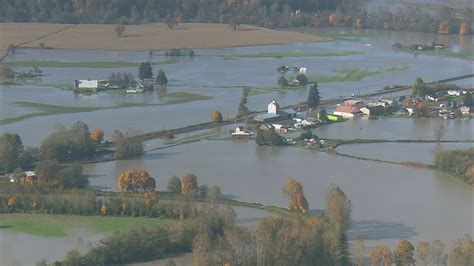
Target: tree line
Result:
[459, 162]
[111, 11]
[267, 13]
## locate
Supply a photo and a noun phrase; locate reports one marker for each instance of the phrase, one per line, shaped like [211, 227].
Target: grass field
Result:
[353, 74]
[296, 54]
[264, 90]
[46, 225]
[93, 64]
[50, 109]
[143, 37]
[342, 36]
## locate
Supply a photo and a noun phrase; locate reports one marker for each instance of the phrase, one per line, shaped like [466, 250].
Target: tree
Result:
[174, 185]
[216, 117]
[136, 180]
[6, 72]
[419, 87]
[41, 45]
[145, 71]
[97, 135]
[282, 82]
[242, 109]
[302, 79]
[47, 169]
[358, 253]
[11, 147]
[67, 145]
[126, 146]
[422, 253]
[462, 252]
[189, 184]
[404, 253]
[72, 177]
[437, 254]
[313, 96]
[119, 29]
[161, 78]
[380, 255]
[293, 191]
[339, 209]
[468, 99]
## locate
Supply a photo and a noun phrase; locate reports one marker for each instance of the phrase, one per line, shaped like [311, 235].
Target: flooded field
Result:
[213, 72]
[18, 247]
[390, 202]
[256, 174]
[401, 152]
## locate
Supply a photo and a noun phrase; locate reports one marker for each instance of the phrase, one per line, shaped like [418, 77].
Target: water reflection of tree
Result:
[162, 91]
[266, 152]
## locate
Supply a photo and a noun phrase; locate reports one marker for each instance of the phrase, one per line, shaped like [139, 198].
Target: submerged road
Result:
[301, 106]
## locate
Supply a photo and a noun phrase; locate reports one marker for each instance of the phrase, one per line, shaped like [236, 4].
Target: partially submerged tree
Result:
[216, 117]
[126, 146]
[161, 78]
[282, 82]
[302, 79]
[145, 71]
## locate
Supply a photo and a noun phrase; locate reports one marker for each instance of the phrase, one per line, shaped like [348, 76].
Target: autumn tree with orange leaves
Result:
[136, 180]
[293, 191]
[216, 117]
[381, 255]
[97, 135]
[404, 254]
[464, 29]
[189, 184]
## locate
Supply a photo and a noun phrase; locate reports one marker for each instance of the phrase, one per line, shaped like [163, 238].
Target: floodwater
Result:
[401, 152]
[17, 248]
[390, 202]
[210, 73]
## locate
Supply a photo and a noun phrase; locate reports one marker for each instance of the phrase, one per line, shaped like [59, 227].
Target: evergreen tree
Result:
[145, 71]
[161, 78]
[313, 96]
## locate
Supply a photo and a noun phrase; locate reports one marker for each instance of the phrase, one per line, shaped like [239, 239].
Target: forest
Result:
[267, 13]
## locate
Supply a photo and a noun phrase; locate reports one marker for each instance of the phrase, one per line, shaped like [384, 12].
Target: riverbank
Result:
[155, 36]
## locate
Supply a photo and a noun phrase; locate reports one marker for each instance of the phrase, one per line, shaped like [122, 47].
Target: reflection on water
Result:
[407, 200]
[401, 152]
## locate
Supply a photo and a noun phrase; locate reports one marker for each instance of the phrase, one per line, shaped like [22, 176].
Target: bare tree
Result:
[119, 29]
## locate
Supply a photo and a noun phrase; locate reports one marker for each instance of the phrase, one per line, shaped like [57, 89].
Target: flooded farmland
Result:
[390, 202]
